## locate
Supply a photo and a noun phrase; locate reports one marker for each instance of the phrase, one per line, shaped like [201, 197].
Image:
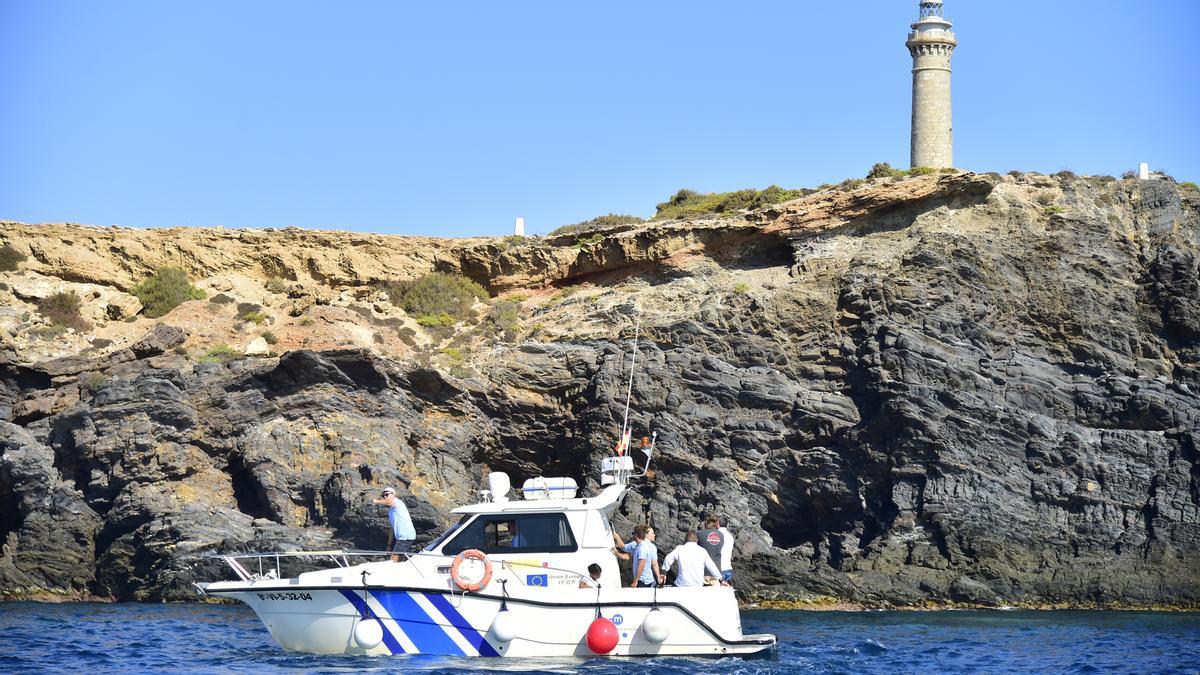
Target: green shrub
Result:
[682, 198]
[306, 322]
[223, 351]
[687, 203]
[884, 170]
[63, 310]
[435, 294]
[166, 290]
[505, 317]
[1053, 209]
[47, 332]
[741, 288]
[515, 240]
[435, 320]
[598, 223]
[563, 293]
[1189, 185]
[582, 242]
[250, 312]
[277, 285]
[219, 353]
[269, 337]
[10, 258]
[456, 362]
[93, 381]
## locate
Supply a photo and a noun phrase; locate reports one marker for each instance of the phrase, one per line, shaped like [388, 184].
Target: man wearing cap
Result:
[402, 534]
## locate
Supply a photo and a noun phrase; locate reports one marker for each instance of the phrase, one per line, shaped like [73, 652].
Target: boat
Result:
[472, 592]
[509, 579]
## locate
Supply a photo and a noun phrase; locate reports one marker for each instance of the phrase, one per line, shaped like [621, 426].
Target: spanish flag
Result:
[623, 444]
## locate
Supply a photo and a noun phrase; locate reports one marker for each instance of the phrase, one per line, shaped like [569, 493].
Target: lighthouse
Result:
[931, 44]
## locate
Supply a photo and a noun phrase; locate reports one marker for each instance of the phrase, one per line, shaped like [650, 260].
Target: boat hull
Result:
[425, 621]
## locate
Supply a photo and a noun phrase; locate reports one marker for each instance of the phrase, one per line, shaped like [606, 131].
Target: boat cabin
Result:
[544, 539]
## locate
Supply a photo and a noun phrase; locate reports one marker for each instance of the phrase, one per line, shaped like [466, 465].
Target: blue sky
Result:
[452, 118]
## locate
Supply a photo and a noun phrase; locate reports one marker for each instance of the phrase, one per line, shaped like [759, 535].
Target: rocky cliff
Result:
[953, 388]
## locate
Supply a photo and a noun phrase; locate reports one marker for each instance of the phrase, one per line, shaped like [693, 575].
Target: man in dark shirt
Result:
[718, 541]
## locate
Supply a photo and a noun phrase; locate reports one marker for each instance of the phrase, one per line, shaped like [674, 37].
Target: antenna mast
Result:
[616, 470]
[632, 367]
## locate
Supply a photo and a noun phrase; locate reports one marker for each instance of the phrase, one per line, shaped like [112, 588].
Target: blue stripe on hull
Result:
[389, 640]
[424, 631]
[464, 627]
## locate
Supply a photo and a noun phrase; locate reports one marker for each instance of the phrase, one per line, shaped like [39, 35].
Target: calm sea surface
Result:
[184, 638]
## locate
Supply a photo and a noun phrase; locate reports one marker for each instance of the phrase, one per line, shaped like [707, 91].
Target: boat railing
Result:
[264, 566]
[269, 565]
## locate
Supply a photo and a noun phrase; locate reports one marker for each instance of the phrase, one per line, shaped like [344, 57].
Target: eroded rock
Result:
[928, 390]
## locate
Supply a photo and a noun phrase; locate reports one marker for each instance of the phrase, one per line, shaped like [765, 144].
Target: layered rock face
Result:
[954, 388]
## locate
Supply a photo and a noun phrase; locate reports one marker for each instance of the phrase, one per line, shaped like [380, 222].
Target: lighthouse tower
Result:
[931, 44]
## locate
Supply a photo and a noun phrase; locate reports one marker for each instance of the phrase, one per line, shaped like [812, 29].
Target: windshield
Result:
[449, 531]
[514, 533]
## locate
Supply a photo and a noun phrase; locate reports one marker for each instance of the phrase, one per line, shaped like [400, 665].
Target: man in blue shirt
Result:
[646, 573]
[402, 533]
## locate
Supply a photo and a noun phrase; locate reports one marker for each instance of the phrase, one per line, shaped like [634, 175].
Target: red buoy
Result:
[602, 636]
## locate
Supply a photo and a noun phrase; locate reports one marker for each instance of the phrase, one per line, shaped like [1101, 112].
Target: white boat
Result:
[473, 593]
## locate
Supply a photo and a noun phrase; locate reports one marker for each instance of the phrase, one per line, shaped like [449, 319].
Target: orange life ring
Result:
[474, 554]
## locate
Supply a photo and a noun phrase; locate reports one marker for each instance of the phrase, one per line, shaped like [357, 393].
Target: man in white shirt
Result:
[693, 563]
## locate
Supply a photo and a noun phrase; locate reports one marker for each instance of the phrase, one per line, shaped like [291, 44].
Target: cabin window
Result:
[514, 533]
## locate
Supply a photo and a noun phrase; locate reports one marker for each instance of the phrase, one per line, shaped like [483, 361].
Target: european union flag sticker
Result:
[537, 580]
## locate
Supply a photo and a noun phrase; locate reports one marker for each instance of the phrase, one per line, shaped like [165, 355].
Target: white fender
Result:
[656, 626]
[504, 627]
[368, 633]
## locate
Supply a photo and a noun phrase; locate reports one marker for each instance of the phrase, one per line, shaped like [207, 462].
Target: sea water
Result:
[198, 638]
